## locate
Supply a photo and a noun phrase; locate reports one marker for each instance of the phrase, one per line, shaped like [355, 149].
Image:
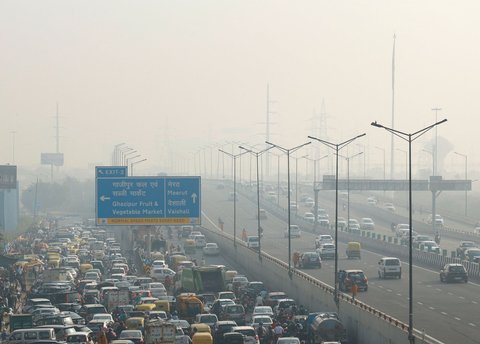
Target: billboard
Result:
[55, 159]
[8, 177]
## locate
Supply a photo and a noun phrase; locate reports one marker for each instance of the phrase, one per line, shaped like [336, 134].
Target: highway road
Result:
[448, 312]
[358, 209]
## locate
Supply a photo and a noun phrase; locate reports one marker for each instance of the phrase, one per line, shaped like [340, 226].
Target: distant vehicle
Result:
[322, 239]
[263, 214]
[294, 232]
[309, 202]
[372, 200]
[354, 226]
[346, 278]
[262, 310]
[389, 207]
[211, 249]
[453, 273]
[438, 220]
[293, 206]
[253, 241]
[310, 260]
[309, 217]
[464, 245]
[430, 246]
[472, 254]
[389, 266]
[342, 223]
[326, 251]
[367, 223]
[401, 229]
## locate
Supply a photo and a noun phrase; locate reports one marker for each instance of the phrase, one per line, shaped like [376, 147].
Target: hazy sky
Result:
[195, 73]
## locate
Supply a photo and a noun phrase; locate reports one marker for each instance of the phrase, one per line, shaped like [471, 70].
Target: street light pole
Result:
[315, 189]
[288, 151]
[135, 163]
[234, 157]
[466, 177]
[409, 137]
[296, 181]
[348, 182]
[259, 228]
[337, 147]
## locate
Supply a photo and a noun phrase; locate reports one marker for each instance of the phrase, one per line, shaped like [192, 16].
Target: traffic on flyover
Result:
[453, 305]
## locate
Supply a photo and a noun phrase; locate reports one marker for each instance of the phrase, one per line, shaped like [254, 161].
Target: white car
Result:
[211, 249]
[294, 232]
[266, 320]
[326, 251]
[263, 310]
[159, 274]
[200, 241]
[294, 340]
[159, 263]
[367, 223]
[103, 317]
[309, 217]
[323, 239]
[389, 207]
[157, 289]
[252, 241]
[309, 202]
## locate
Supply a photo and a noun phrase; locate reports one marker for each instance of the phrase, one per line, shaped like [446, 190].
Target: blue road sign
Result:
[148, 201]
[111, 171]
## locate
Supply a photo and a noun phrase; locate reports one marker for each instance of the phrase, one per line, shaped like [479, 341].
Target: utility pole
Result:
[392, 144]
[435, 151]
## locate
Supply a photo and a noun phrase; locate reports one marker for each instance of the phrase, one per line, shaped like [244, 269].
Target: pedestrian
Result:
[354, 289]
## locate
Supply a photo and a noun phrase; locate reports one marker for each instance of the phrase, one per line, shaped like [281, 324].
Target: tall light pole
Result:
[384, 164]
[348, 158]
[234, 157]
[296, 181]
[337, 147]
[133, 163]
[315, 189]
[432, 153]
[259, 228]
[406, 169]
[278, 176]
[435, 151]
[126, 157]
[116, 151]
[288, 151]
[122, 151]
[409, 137]
[466, 176]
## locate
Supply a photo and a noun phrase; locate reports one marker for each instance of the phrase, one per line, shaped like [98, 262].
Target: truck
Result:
[188, 306]
[203, 279]
[158, 331]
[115, 298]
[325, 327]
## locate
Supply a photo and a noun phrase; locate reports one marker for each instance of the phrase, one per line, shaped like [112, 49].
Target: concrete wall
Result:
[364, 323]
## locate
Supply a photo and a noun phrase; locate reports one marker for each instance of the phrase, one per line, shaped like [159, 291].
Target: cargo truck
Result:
[203, 279]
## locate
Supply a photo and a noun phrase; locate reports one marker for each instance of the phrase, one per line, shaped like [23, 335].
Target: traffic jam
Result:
[81, 284]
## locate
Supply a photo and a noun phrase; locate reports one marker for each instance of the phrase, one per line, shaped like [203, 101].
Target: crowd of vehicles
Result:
[99, 293]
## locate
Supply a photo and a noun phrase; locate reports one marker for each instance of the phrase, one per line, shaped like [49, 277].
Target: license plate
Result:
[313, 260]
[458, 278]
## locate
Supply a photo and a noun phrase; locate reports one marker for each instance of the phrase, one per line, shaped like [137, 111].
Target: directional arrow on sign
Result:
[105, 198]
[194, 198]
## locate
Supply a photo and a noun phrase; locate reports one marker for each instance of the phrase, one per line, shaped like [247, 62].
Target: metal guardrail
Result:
[420, 335]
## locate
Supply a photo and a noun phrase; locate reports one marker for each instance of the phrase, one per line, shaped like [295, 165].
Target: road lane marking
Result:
[398, 294]
[420, 303]
[432, 308]
[449, 293]
[438, 289]
[457, 318]
[472, 325]
[462, 297]
[389, 290]
[444, 313]
[475, 302]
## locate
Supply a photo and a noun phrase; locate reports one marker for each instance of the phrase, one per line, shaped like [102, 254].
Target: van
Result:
[30, 335]
[389, 266]
[80, 338]
[252, 242]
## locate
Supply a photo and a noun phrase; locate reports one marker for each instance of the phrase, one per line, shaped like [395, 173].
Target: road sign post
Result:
[148, 201]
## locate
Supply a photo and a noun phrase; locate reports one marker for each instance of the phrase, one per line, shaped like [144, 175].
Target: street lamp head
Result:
[375, 124]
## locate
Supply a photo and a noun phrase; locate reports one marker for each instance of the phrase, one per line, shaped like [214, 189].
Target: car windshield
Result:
[457, 268]
[208, 318]
[356, 275]
[392, 262]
